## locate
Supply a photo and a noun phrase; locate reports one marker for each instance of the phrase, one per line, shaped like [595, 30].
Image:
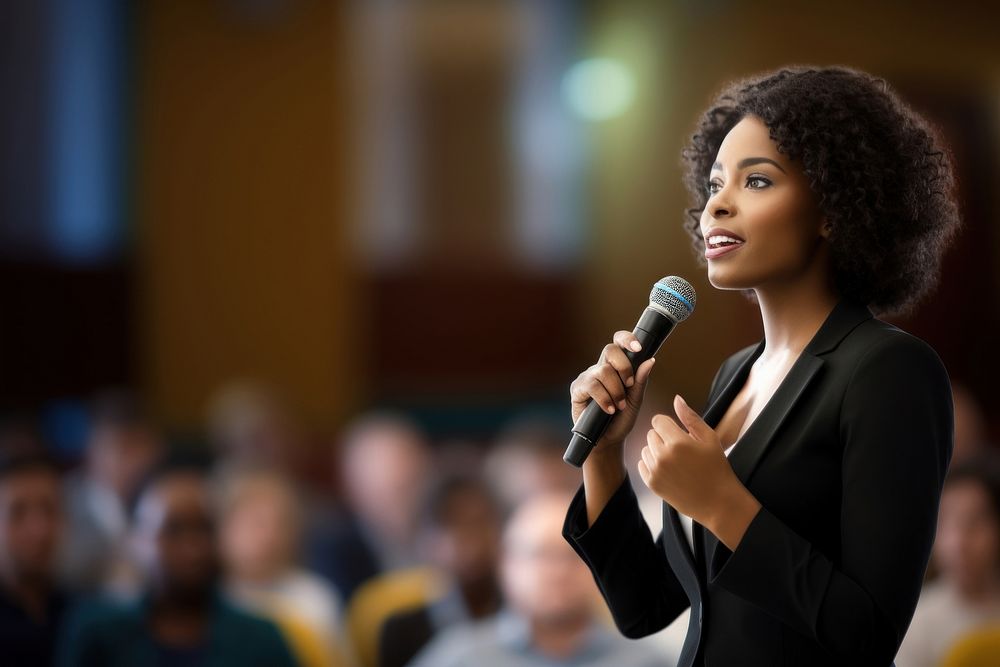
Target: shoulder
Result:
[255, 635]
[882, 354]
[95, 616]
[96, 628]
[312, 593]
[460, 644]
[238, 620]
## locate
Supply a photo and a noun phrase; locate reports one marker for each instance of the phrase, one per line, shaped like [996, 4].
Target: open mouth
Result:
[721, 241]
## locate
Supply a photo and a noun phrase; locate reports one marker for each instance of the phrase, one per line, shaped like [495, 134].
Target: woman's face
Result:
[764, 200]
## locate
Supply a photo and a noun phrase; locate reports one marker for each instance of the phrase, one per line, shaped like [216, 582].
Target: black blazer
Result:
[847, 459]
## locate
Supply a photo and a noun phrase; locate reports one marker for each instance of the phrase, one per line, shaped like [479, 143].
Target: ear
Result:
[825, 228]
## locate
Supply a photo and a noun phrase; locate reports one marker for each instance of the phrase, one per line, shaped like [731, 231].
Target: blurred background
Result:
[259, 232]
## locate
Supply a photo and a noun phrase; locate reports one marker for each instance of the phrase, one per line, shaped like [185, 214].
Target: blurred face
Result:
[967, 546]
[765, 203]
[468, 544]
[30, 524]
[258, 534]
[386, 471]
[175, 536]
[542, 576]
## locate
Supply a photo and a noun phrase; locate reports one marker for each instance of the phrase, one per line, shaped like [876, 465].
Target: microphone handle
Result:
[651, 330]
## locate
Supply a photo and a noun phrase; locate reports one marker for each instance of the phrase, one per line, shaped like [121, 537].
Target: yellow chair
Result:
[978, 648]
[377, 599]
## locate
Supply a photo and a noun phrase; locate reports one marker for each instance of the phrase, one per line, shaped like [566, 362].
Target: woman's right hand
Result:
[613, 385]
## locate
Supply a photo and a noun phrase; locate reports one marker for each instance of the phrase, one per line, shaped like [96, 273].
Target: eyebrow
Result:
[746, 162]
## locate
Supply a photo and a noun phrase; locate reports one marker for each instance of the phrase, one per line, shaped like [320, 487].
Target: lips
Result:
[720, 241]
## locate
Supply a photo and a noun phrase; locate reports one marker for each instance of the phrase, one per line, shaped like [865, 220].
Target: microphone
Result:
[671, 302]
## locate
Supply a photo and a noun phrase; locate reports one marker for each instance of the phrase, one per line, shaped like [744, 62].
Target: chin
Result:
[727, 282]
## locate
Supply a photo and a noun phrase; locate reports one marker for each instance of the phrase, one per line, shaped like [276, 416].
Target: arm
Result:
[896, 428]
[630, 569]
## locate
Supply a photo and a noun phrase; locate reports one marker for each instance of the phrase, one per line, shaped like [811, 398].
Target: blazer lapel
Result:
[754, 443]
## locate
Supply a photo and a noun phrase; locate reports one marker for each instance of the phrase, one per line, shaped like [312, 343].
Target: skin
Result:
[259, 531]
[384, 470]
[967, 547]
[785, 261]
[31, 521]
[174, 541]
[543, 579]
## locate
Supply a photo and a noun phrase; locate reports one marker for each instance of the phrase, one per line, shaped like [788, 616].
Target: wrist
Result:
[732, 516]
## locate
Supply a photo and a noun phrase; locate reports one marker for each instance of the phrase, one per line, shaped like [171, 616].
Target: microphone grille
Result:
[674, 297]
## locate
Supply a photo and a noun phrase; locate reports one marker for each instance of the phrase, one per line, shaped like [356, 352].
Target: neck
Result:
[482, 597]
[179, 620]
[559, 638]
[792, 314]
[984, 592]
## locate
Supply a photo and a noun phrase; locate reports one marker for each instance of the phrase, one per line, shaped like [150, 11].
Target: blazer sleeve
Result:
[631, 570]
[896, 429]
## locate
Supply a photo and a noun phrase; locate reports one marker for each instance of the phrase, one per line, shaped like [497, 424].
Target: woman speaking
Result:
[813, 478]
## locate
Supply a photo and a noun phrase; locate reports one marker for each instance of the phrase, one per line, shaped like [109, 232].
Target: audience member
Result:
[123, 445]
[970, 425]
[384, 464]
[250, 426]
[966, 593]
[31, 603]
[260, 530]
[551, 606]
[181, 619]
[526, 458]
[461, 537]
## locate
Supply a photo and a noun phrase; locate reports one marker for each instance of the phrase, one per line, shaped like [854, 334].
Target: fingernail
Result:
[630, 381]
[611, 409]
[635, 346]
[621, 405]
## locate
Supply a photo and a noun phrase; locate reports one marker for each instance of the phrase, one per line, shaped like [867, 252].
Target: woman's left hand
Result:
[689, 469]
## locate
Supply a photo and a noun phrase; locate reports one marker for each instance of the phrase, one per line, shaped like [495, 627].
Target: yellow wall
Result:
[241, 204]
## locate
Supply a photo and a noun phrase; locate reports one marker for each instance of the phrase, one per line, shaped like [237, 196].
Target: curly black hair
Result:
[883, 177]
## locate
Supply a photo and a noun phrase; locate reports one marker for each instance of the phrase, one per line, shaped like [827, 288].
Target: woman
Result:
[260, 530]
[813, 479]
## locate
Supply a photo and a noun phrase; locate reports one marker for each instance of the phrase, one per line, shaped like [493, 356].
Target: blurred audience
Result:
[384, 465]
[970, 425]
[31, 602]
[251, 426]
[260, 530]
[122, 446]
[181, 619]
[966, 594]
[550, 616]
[461, 537]
[526, 458]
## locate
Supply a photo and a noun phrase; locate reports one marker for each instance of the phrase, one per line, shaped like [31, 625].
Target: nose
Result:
[719, 207]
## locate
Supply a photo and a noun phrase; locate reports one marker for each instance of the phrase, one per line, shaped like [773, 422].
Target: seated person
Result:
[31, 605]
[460, 537]
[966, 594]
[259, 535]
[181, 619]
[550, 615]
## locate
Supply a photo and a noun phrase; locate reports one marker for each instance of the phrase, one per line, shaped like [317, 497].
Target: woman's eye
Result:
[758, 179]
[713, 187]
